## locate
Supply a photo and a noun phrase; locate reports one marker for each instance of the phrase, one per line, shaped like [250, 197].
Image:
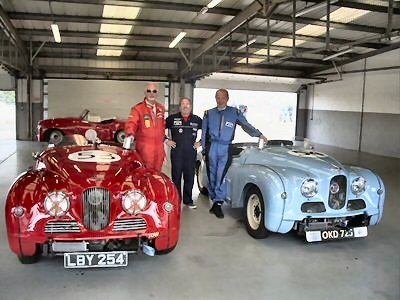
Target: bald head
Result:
[151, 92]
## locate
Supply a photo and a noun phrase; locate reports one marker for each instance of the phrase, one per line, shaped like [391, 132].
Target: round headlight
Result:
[309, 188]
[134, 201]
[358, 186]
[56, 203]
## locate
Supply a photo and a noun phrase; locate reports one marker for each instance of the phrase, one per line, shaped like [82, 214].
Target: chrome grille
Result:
[96, 208]
[62, 227]
[337, 192]
[129, 224]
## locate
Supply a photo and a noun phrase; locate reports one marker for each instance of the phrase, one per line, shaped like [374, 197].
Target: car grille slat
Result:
[62, 227]
[96, 208]
[129, 224]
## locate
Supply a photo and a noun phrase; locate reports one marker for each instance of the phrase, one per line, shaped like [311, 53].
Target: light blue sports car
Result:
[285, 186]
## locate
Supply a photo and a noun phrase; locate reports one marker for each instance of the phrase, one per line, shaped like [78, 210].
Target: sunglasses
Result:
[152, 91]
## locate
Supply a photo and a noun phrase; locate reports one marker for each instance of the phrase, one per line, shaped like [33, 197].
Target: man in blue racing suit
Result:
[218, 131]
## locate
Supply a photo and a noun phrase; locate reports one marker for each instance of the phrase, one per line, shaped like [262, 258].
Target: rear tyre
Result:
[27, 260]
[199, 175]
[119, 136]
[254, 214]
[54, 136]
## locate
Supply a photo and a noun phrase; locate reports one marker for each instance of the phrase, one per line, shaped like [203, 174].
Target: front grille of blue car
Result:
[337, 192]
[313, 207]
[356, 204]
[96, 208]
[129, 224]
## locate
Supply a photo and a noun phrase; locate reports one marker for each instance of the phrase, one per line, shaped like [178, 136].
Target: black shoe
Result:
[216, 209]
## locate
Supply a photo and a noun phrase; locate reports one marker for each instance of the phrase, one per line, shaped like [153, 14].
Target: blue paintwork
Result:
[278, 169]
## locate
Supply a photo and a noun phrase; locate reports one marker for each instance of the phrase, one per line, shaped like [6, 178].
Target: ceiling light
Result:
[213, 3]
[56, 33]
[338, 54]
[308, 9]
[178, 38]
[204, 10]
[252, 41]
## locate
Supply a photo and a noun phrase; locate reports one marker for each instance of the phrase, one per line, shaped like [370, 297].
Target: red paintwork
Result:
[62, 174]
[72, 125]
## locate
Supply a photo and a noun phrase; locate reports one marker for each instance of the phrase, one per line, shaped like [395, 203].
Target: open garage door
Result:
[7, 115]
[273, 113]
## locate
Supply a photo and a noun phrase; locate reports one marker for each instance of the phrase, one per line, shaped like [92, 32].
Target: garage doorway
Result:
[7, 115]
[273, 113]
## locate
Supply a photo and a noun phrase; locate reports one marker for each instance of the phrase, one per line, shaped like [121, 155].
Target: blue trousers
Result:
[219, 160]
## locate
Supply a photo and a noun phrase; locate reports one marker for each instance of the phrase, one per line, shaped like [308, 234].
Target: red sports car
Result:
[92, 203]
[107, 129]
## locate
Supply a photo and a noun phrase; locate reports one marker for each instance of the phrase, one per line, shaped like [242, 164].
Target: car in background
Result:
[289, 186]
[109, 129]
[94, 204]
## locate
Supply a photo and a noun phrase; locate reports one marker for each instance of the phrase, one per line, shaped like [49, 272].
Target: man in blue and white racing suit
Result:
[218, 131]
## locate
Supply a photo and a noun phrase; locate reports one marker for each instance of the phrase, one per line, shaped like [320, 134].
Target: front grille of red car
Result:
[129, 224]
[62, 227]
[96, 208]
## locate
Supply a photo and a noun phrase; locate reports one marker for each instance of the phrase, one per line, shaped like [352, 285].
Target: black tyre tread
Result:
[203, 190]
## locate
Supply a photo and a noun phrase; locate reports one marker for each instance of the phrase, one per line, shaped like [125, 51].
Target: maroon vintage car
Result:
[53, 130]
[92, 203]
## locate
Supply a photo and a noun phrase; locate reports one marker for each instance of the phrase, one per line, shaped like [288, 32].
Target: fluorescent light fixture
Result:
[56, 33]
[178, 38]
[204, 10]
[306, 10]
[213, 3]
[338, 54]
[252, 41]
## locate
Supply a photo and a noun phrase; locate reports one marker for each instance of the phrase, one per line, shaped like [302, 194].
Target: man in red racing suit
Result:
[146, 123]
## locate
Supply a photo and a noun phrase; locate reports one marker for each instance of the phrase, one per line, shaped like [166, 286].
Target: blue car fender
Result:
[241, 178]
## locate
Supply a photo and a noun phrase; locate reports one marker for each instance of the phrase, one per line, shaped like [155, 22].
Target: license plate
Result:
[336, 234]
[96, 259]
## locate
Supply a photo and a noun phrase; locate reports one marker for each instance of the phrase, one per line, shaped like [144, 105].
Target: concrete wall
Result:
[104, 98]
[361, 111]
[7, 82]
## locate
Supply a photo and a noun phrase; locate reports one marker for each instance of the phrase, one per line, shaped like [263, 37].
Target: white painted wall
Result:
[103, 98]
[340, 104]
[382, 88]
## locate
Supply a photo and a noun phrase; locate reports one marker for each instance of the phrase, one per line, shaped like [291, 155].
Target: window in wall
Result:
[273, 113]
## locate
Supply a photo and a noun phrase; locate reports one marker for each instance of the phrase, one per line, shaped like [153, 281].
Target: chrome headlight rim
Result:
[309, 188]
[134, 201]
[57, 203]
[358, 185]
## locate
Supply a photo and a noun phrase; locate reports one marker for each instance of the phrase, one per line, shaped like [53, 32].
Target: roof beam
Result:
[25, 33]
[370, 5]
[337, 25]
[101, 20]
[391, 47]
[152, 5]
[225, 30]
[8, 27]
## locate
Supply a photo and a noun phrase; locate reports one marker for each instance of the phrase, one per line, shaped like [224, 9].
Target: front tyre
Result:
[254, 214]
[27, 260]
[120, 136]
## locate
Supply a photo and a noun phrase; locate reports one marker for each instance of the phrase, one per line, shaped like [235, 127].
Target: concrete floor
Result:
[216, 259]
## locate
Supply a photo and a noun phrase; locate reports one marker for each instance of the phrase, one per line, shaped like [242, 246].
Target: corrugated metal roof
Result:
[157, 23]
